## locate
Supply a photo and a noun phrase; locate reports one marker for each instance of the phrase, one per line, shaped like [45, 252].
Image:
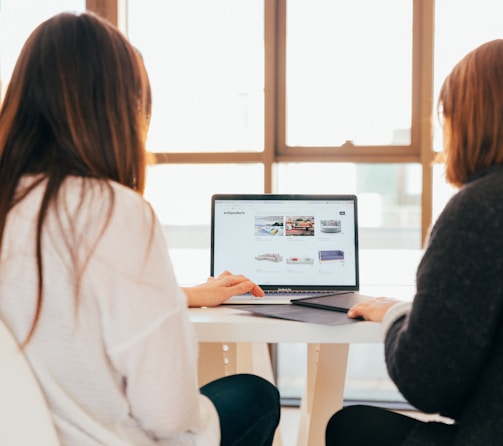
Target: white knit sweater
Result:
[121, 367]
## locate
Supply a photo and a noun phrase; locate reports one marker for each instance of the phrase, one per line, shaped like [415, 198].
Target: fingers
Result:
[373, 310]
[220, 276]
[239, 284]
[233, 279]
[257, 291]
[225, 274]
[246, 285]
[354, 312]
[360, 309]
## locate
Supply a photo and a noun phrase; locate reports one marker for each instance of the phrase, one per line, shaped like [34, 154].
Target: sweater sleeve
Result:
[435, 354]
[394, 313]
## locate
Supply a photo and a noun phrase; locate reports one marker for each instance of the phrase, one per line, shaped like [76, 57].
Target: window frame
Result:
[275, 148]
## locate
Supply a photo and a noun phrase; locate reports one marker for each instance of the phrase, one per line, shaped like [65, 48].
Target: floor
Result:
[289, 425]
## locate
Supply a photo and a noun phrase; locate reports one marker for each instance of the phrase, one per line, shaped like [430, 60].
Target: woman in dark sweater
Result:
[444, 351]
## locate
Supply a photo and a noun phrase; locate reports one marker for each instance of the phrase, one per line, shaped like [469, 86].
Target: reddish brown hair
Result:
[471, 101]
[78, 103]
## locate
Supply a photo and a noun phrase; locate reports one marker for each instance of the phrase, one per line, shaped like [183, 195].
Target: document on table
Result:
[299, 313]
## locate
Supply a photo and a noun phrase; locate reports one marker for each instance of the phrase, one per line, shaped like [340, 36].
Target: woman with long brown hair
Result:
[86, 283]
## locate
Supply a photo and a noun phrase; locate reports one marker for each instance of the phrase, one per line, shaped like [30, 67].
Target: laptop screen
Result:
[287, 241]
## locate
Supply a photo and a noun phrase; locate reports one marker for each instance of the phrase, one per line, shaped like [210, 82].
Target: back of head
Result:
[471, 100]
[78, 103]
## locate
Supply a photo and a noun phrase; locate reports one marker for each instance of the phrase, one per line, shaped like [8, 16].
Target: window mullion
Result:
[107, 9]
[422, 101]
[272, 78]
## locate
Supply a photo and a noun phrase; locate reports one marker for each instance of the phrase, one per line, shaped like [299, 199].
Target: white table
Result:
[235, 341]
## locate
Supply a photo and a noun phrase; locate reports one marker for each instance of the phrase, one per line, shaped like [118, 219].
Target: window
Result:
[389, 197]
[18, 18]
[476, 22]
[206, 63]
[180, 195]
[222, 96]
[346, 79]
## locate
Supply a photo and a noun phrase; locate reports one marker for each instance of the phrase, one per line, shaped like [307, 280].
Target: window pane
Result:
[181, 193]
[206, 64]
[18, 18]
[389, 197]
[349, 68]
[477, 21]
[181, 196]
[443, 190]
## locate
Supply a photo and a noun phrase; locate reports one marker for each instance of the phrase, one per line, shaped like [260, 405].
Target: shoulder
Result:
[482, 191]
[476, 206]
[122, 232]
[100, 199]
[130, 205]
[117, 217]
[465, 244]
[92, 188]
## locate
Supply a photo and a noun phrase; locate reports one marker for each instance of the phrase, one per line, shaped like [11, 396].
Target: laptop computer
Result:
[293, 246]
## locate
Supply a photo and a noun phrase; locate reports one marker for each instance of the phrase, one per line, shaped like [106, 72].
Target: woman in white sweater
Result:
[86, 283]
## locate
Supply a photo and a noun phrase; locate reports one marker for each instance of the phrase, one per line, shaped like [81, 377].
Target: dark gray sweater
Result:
[446, 356]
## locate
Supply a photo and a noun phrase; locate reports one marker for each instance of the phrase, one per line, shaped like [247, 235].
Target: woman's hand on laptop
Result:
[218, 289]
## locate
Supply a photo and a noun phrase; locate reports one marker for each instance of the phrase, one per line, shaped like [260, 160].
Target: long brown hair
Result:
[471, 101]
[78, 103]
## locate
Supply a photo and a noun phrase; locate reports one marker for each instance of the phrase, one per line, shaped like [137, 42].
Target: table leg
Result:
[223, 359]
[211, 364]
[324, 394]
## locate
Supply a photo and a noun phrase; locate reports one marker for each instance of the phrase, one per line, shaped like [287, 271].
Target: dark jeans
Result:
[248, 407]
[366, 425]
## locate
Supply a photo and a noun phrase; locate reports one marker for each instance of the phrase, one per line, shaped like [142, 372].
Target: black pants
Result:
[368, 426]
[248, 408]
